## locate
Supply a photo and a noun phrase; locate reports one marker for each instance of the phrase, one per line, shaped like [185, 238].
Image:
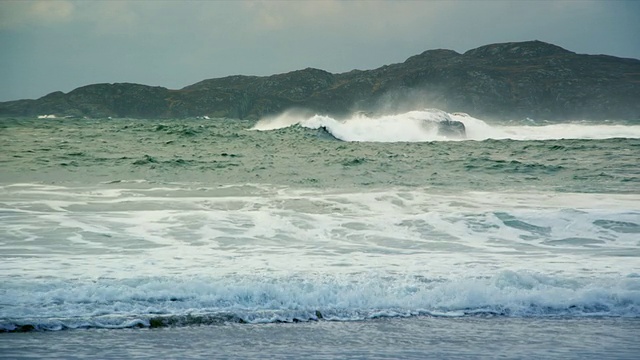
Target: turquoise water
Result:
[370, 236]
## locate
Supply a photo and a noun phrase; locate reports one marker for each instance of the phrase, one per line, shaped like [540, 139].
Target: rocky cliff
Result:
[510, 80]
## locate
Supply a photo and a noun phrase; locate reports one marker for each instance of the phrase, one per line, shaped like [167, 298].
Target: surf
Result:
[175, 301]
[429, 125]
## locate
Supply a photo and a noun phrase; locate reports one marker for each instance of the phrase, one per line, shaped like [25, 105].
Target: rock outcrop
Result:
[509, 81]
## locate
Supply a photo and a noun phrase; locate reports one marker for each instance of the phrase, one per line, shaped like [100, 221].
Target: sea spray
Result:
[421, 126]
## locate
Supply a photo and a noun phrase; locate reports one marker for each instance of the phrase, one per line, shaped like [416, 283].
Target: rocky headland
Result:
[519, 80]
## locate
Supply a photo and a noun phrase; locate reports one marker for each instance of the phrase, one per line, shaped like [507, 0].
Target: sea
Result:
[297, 236]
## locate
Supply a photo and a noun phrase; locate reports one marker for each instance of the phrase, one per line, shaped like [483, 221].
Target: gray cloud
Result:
[60, 45]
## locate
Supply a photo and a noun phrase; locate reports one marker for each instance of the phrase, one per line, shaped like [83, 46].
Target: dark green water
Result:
[295, 244]
[223, 151]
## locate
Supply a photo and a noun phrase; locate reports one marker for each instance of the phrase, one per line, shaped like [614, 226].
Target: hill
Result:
[509, 80]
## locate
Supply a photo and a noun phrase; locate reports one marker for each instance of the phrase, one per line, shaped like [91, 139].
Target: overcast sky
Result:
[60, 45]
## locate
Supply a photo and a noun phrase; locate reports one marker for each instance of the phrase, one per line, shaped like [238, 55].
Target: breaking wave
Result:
[422, 126]
[161, 302]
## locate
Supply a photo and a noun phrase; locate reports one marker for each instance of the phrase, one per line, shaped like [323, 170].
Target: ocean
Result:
[308, 236]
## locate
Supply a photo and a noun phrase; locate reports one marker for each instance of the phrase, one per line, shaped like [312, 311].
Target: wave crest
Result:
[161, 302]
[424, 125]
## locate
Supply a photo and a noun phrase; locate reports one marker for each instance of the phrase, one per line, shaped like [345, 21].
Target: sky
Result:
[59, 45]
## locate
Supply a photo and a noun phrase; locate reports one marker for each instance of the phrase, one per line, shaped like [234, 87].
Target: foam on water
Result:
[414, 126]
[123, 254]
[55, 305]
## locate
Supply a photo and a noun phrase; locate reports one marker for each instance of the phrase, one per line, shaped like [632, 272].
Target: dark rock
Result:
[440, 122]
[519, 80]
[451, 129]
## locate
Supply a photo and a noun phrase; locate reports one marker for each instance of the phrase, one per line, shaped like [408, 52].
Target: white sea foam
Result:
[109, 303]
[417, 126]
[280, 230]
[113, 255]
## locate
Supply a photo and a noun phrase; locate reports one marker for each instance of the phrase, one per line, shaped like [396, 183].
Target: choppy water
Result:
[226, 223]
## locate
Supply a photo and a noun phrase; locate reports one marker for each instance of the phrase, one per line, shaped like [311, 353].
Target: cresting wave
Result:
[418, 126]
[135, 253]
[159, 302]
